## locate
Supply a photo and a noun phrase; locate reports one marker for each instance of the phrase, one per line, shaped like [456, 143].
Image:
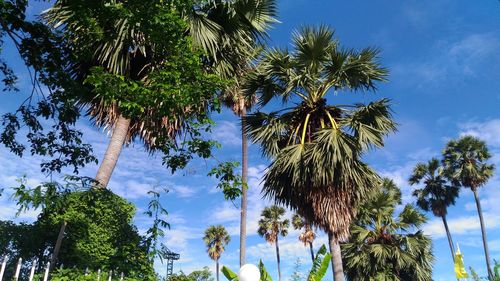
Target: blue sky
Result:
[444, 62]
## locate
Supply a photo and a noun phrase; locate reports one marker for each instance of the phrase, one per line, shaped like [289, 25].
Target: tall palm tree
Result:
[316, 147]
[386, 246]
[271, 226]
[243, 54]
[307, 236]
[436, 195]
[218, 27]
[216, 238]
[465, 162]
[126, 48]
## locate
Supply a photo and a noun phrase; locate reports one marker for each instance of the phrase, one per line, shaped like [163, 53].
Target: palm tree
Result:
[217, 27]
[465, 163]
[271, 226]
[307, 236]
[384, 246]
[436, 195]
[316, 147]
[242, 55]
[216, 238]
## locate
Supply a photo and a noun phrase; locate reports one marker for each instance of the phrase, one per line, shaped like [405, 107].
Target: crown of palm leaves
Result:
[315, 147]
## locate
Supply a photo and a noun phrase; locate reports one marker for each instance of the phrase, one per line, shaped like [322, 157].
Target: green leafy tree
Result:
[385, 245]
[100, 233]
[271, 226]
[316, 147]
[307, 236]
[197, 275]
[437, 194]
[26, 241]
[44, 123]
[465, 162]
[216, 238]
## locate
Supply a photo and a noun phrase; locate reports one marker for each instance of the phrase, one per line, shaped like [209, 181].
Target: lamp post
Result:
[249, 272]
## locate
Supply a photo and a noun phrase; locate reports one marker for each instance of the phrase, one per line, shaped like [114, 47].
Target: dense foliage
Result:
[385, 245]
[99, 231]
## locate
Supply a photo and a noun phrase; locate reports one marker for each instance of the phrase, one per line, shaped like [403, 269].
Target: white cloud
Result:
[474, 47]
[453, 60]
[183, 191]
[131, 189]
[226, 213]
[227, 133]
[462, 225]
[488, 131]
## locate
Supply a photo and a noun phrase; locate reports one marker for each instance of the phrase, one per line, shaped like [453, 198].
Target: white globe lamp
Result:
[249, 272]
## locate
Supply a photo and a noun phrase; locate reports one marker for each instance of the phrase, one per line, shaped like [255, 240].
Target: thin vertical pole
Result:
[110, 275]
[46, 274]
[98, 274]
[2, 270]
[32, 273]
[121, 277]
[18, 269]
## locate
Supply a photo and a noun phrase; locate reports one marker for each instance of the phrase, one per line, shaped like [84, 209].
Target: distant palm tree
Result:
[216, 238]
[465, 163]
[307, 236]
[384, 246]
[271, 226]
[315, 146]
[436, 195]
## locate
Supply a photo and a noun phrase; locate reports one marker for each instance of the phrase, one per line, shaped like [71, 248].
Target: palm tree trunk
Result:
[244, 199]
[217, 268]
[448, 234]
[312, 251]
[278, 258]
[337, 268]
[483, 232]
[57, 247]
[113, 151]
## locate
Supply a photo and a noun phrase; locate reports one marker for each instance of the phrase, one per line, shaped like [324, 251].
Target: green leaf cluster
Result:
[320, 265]
[230, 183]
[51, 96]
[385, 245]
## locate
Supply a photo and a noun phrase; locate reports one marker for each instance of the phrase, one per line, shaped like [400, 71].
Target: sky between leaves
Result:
[444, 62]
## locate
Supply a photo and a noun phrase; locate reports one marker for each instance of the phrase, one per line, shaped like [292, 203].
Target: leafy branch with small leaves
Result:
[230, 182]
